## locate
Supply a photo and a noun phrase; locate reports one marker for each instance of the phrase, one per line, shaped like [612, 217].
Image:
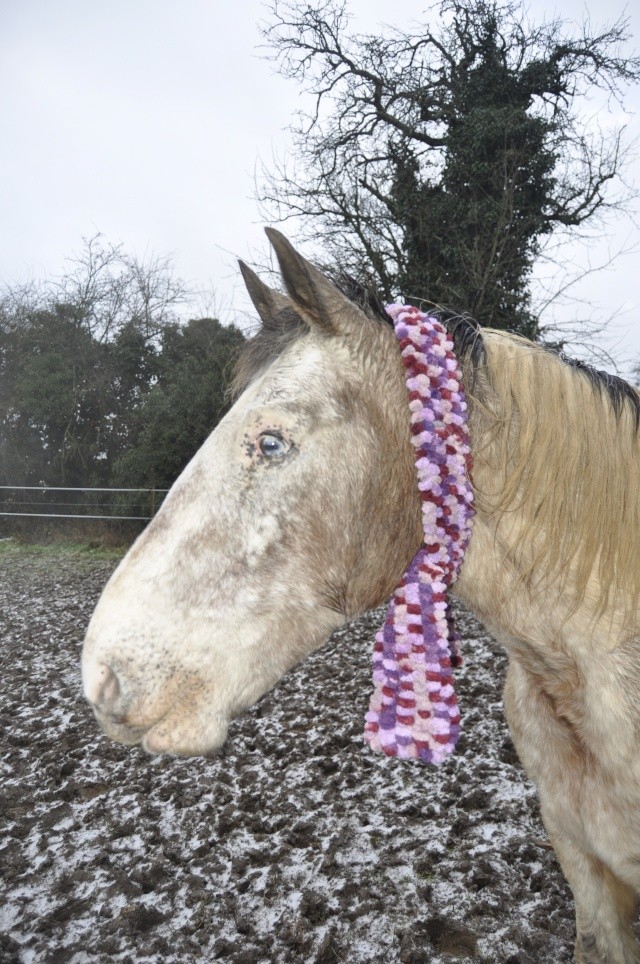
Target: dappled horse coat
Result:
[240, 552]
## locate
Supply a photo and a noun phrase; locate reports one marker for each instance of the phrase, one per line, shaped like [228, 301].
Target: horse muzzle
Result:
[182, 727]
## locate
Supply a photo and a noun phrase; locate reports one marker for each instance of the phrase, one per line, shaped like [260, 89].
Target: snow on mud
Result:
[295, 844]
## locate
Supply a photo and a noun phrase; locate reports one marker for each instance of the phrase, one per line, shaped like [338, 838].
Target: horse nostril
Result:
[103, 688]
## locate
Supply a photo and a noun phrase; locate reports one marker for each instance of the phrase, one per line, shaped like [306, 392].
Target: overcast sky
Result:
[145, 120]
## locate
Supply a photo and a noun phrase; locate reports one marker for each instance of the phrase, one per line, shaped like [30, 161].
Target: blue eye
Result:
[272, 446]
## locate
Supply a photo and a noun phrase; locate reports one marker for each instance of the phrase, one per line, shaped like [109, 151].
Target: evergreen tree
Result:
[53, 402]
[184, 405]
[100, 384]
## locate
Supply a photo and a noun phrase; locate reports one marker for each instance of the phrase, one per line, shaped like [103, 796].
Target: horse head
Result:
[298, 512]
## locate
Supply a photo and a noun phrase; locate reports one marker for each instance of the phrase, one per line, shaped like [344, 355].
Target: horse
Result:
[301, 511]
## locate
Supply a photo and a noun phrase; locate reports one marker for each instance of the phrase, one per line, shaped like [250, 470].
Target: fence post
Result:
[153, 501]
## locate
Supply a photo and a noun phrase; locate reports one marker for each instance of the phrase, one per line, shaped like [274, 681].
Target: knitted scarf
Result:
[413, 711]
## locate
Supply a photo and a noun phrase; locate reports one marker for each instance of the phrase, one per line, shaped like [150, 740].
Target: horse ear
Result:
[308, 287]
[267, 301]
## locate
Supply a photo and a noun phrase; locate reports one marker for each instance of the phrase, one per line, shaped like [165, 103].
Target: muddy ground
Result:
[296, 844]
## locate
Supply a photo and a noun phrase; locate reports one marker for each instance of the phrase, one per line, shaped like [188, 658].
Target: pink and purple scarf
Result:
[413, 711]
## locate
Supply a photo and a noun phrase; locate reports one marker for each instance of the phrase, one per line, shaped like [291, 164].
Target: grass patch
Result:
[14, 548]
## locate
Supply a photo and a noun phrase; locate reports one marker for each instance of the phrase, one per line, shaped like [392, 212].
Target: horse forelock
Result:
[269, 342]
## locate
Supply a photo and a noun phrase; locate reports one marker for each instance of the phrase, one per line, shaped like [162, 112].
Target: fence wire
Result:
[120, 504]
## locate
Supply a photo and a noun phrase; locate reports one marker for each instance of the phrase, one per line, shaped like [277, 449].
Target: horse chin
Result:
[188, 737]
[120, 732]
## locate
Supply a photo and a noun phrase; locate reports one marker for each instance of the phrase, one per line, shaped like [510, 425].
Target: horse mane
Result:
[564, 438]
[563, 435]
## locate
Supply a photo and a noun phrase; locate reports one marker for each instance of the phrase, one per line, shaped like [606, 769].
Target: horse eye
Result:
[272, 446]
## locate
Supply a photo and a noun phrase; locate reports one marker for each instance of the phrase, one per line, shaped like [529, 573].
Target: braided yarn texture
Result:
[413, 713]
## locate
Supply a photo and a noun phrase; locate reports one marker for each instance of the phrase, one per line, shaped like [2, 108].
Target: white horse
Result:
[301, 510]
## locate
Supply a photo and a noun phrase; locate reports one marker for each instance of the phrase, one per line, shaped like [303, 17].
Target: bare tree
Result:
[443, 157]
[109, 288]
